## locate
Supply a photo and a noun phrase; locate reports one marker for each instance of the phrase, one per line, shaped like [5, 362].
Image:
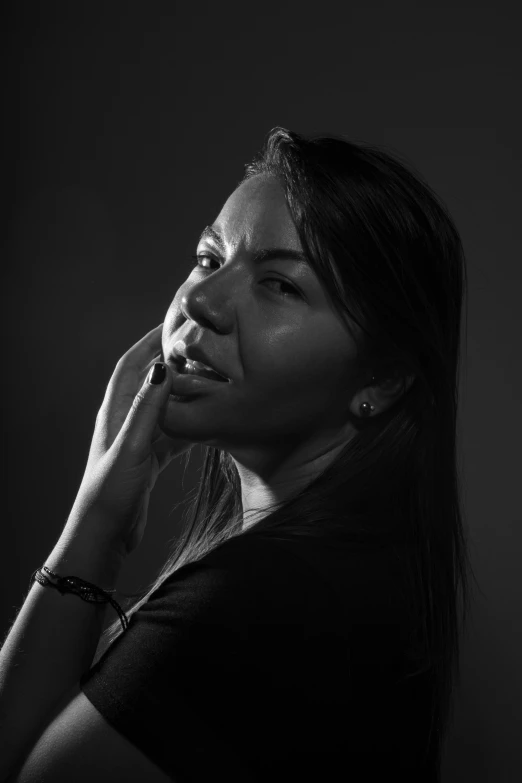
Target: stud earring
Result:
[366, 409]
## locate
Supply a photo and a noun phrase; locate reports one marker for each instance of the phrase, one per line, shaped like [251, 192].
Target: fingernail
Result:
[157, 374]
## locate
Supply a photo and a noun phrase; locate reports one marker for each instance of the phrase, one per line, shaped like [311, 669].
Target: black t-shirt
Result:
[271, 660]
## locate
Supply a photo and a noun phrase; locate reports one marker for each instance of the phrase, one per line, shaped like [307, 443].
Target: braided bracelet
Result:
[84, 590]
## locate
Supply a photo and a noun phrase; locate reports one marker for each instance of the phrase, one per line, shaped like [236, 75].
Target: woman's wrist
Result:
[86, 551]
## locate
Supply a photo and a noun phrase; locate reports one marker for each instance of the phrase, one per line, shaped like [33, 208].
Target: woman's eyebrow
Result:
[267, 254]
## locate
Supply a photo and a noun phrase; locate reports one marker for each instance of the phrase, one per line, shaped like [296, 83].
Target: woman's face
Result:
[268, 327]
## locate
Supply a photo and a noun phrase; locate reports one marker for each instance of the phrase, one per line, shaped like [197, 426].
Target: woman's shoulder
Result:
[245, 576]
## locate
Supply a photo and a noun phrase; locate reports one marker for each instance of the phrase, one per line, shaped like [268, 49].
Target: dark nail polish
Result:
[158, 373]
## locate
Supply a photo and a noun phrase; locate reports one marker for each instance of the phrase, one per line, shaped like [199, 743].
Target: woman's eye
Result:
[198, 259]
[283, 283]
[292, 291]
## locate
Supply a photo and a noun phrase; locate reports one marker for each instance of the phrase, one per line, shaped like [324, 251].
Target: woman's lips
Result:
[190, 383]
[197, 368]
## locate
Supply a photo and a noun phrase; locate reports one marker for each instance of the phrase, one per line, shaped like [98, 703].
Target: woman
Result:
[305, 626]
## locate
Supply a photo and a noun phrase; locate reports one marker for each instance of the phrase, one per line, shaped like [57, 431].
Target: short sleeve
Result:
[211, 673]
[240, 668]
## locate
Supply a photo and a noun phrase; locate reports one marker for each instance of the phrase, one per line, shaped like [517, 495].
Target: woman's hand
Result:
[128, 449]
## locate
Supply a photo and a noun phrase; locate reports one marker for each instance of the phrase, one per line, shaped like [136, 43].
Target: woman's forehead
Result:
[257, 214]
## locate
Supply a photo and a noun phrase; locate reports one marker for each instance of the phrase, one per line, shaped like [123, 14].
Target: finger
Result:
[133, 367]
[145, 349]
[140, 423]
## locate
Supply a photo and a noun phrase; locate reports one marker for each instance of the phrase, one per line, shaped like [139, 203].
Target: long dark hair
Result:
[391, 259]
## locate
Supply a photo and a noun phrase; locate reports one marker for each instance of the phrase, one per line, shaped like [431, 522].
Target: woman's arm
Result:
[53, 640]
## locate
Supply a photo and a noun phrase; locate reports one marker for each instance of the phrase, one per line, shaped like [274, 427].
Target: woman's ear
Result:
[381, 394]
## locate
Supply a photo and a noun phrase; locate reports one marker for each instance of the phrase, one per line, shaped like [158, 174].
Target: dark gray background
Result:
[127, 128]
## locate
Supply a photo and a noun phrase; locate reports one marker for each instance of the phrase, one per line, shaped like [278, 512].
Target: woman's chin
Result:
[168, 428]
[173, 421]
